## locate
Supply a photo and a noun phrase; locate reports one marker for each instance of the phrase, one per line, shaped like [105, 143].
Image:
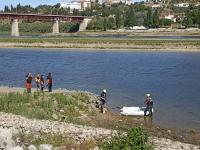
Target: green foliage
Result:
[135, 139]
[41, 27]
[5, 27]
[68, 27]
[66, 107]
[130, 18]
[165, 22]
[192, 18]
[36, 27]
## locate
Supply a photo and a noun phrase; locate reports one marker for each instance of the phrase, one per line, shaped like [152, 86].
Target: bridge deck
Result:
[40, 17]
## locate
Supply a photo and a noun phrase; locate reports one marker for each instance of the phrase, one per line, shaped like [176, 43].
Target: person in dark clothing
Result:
[49, 82]
[42, 83]
[103, 99]
[28, 82]
[149, 105]
[37, 81]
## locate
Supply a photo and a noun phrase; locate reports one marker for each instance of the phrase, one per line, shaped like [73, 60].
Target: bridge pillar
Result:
[56, 27]
[15, 28]
[83, 25]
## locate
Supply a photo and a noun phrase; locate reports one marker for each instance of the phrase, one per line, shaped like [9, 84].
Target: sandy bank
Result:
[105, 46]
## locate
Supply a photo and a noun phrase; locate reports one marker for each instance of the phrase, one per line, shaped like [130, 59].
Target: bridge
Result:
[15, 17]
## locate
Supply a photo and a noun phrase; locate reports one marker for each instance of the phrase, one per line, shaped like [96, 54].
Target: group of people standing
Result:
[40, 82]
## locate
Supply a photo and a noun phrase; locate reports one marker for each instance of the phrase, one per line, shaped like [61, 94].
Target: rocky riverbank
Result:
[12, 125]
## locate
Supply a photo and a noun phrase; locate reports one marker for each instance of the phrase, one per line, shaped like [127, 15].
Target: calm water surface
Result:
[172, 78]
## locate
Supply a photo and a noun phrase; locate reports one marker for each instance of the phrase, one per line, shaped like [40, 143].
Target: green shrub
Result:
[135, 139]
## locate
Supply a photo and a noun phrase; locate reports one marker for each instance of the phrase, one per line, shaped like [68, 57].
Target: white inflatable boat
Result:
[133, 111]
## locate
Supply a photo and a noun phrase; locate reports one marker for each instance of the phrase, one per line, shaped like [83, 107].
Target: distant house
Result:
[182, 5]
[139, 28]
[77, 4]
[156, 6]
[170, 17]
[198, 4]
[109, 2]
[72, 5]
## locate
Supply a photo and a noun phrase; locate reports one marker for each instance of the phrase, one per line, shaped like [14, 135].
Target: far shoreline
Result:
[102, 44]
[54, 48]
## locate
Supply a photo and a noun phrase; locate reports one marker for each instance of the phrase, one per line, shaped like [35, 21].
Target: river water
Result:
[173, 78]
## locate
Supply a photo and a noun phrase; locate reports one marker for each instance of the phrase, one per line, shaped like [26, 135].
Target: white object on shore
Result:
[133, 111]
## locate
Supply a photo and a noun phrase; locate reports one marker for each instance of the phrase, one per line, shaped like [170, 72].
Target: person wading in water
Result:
[149, 105]
[103, 100]
[29, 82]
[49, 82]
[37, 81]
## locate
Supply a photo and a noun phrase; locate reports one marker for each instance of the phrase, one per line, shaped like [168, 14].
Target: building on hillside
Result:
[77, 4]
[110, 2]
[182, 5]
[156, 6]
[72, 5]
[198, 4]
[170, 17]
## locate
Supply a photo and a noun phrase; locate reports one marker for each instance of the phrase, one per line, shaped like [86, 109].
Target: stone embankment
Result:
[167, 144]
[11, 124]
[78, 133]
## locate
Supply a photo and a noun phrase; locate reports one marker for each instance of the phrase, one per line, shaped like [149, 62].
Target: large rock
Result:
[46, 147]
[32, 147]
[6, 141]
[16, 148]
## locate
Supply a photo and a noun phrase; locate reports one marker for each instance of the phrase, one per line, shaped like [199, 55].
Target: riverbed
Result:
[171, 77]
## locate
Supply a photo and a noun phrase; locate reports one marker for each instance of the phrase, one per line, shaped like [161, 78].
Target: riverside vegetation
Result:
[69, 119]
[101, 43]
[70, 107]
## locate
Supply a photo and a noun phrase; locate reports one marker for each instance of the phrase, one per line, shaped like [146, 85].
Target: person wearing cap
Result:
[103, 99]
[149, 105]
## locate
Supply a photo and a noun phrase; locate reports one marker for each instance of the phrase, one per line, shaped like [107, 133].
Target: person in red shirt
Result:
[149, 105]
[28, 82]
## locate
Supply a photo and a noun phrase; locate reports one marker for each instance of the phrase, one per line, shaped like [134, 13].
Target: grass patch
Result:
[57, 106]
[129, 41]
[54, 140]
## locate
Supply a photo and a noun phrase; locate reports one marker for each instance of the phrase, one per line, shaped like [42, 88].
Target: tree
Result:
[149, 19]
[156, 19]
[119, 21]
[129, 18]
[6, 9]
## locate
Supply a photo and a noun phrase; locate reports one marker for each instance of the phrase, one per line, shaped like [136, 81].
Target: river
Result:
[173, 78]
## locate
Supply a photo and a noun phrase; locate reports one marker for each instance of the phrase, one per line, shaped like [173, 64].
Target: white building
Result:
[77, 4]
[182, 5]
[109, 2]
[156, 6]
[170, 17]
[72, 5]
